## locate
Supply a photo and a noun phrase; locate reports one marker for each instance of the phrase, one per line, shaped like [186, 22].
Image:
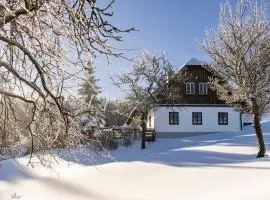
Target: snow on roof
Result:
[193, 62]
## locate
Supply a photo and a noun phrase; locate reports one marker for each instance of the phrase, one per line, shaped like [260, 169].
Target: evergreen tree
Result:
[89, 105]
[89, 89]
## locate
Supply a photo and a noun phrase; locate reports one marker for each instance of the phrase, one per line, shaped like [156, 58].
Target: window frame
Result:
[189, 84]
[198, 117]
[203, 88]
[175, 118]
[221, 119]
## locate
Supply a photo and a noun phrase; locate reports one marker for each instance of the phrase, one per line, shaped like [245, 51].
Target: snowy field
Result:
[217, 166]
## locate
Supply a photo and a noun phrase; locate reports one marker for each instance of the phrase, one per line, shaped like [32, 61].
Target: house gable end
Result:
[198, 75]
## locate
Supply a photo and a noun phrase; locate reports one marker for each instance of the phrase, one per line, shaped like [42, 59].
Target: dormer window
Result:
[190, 88]
[203, 88]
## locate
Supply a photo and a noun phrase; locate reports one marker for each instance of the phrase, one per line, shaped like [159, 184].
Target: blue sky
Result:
[173, 26]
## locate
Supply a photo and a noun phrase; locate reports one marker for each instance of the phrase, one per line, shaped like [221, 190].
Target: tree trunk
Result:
[143, 125]
[258, 129]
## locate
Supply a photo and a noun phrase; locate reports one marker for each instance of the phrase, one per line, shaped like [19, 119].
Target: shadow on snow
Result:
[200, 151]
[195, 151]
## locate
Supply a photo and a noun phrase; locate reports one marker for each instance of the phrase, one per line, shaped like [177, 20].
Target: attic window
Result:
[190, 88]
[203, 88]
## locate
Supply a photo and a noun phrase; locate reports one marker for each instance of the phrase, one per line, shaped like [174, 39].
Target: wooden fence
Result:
[128, 132]
[150, 135]
[122, 132]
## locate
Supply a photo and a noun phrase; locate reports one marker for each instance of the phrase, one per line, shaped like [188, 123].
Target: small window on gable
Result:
[196, 118]
[190, 88]
[223, 118]
[203, 88]
[173, 118]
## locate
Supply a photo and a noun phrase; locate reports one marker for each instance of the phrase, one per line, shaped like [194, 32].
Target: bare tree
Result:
[115, 112]
[143, 85]
[43, 46]
[240, 53]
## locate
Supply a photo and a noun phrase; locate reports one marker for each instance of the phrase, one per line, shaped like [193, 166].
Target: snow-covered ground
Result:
[215, 166]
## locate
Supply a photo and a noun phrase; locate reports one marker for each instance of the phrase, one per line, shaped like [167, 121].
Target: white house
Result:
[198, 111]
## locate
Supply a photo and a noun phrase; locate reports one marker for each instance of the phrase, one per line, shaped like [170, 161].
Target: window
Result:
[203, 88]
[223, 118]
[150, 120]
[190, 88]
[197, 118]
[173, 118]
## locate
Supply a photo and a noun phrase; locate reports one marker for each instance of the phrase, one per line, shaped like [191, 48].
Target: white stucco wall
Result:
[209, 119]
[151, 117]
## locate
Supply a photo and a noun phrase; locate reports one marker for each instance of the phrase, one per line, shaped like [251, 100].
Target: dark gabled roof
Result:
[193, 62]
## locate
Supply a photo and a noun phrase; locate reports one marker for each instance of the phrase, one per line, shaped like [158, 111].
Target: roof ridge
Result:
[193, 62]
